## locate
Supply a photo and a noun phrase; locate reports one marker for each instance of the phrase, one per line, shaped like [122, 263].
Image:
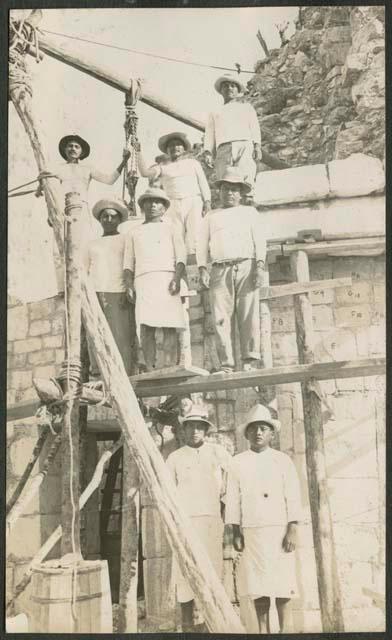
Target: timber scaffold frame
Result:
[121, 392]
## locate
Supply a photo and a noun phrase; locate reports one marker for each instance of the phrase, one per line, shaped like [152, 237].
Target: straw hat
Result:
[154, 192]
[73, 136]
[228, 78]
[259, 413]
[196, 413]
[164, 140]
[232, 175]
[107, 203]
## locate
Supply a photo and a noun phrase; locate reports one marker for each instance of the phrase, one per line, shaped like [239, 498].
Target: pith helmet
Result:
[196, 413]
[73, 136]
[106, 203]
[233, 175]
[154, 192]
[259, 413]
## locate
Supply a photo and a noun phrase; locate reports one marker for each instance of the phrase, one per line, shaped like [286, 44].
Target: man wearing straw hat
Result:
[232, 133]
[154, 263]
[184, 181]
[263, 504]
[199, 469]
[104, 264]
[235, 239]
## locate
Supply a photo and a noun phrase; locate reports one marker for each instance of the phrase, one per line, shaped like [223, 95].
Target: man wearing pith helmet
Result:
[199, 469]
[263, 504]
[154, 262]
[232, 133]
[235, 239]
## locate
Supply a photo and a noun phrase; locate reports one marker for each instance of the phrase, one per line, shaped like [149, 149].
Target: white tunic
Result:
[263, 489]
[155, 246]
[233, 121]
[200, 476]
[183, 179]
[231, 234]
[105, 259]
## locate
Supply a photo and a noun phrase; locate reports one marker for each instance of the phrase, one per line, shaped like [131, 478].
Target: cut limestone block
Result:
[357, 175]
[298, 184]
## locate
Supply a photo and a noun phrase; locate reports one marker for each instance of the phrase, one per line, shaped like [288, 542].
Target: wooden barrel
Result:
[52, 598]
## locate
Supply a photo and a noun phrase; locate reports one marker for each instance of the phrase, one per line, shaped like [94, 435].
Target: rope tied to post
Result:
[131, 178]
[23, 35]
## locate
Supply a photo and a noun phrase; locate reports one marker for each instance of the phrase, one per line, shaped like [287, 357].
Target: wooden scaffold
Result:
[141, 457]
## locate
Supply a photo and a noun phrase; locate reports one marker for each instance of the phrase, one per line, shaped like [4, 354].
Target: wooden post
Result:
[323, 539]
[267, 394]
[70, 379]
[127, 622]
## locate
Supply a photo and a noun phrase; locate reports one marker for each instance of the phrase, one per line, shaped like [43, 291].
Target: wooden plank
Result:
[350, 247]
[316, 467]
[293, 288]
[170, 373]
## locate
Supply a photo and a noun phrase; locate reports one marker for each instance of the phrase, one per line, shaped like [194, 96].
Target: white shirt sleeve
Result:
[129, 253]
[106, 178]
[203, 241]
[292, 492]
[233, 498]
[209, 135]
[254, 125]
[202, 180]
[179, 246]
[258, 235]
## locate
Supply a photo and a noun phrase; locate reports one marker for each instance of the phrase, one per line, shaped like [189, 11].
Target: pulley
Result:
[130, 176]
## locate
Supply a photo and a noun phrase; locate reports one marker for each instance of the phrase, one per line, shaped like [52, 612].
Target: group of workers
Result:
[139, 277]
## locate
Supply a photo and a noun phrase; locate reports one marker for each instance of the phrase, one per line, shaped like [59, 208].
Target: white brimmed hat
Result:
[232, 175]
[154, 192]
[175, 135]
[196, 413]
[259, 413]
[228, 78]
[107, 203]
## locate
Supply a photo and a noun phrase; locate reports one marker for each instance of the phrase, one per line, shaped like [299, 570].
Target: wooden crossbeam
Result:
[294, 288]
[336, 369]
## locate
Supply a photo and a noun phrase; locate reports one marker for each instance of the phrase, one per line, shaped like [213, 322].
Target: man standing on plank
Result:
[199, 469]
[232, 133]
[263, 504]
[236, 241]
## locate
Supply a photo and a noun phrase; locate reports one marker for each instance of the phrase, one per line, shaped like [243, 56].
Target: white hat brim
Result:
[275, 424]
[110, 204]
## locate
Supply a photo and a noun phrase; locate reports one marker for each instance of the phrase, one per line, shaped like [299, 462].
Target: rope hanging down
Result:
[130, 177]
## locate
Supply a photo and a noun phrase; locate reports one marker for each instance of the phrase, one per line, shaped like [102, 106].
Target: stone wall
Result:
[322, 95]
[349, 323]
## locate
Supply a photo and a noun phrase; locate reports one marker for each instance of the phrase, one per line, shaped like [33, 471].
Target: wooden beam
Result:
[114, 78]
[335, 247]
[293, 288]
[323, 538]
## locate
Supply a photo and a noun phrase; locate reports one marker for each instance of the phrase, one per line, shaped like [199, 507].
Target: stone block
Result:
[320, 269]
[357, 175]
[353, 316]
[52, 342]
[378, 314]
[379, 293]
[26, 394]
[351, 451]
[307, 579]
[350, 384]
[41, 357]
[27, 346]
[45, 372]
[284, 348]
[337, 344]
[337, 35]
[16, 361]
[358, 293]
[358, 269]
[377, 340]
[297, 184]
[39, 327]
[159, 590]
[366, 618]
[154, 540]
[282, 320]
[354, 501]
[322, 296]
[354, 65]
[57, 325]
[29, 533]
[60, 355]
[322, 317]
[307, 621]
[20, 379]
[356, 544]
[354, 578]
[43, 308]
[379, 269]
[17, 323]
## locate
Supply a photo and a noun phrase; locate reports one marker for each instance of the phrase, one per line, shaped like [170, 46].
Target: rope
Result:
[130, 177]
[150, 55]
[23, 35]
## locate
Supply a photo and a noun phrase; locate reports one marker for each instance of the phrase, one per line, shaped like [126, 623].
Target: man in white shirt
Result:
[263, 504]
[185, 183]
[104, 265]
[232, 132]
[235, 239]
[199, 470]
[154, 263]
